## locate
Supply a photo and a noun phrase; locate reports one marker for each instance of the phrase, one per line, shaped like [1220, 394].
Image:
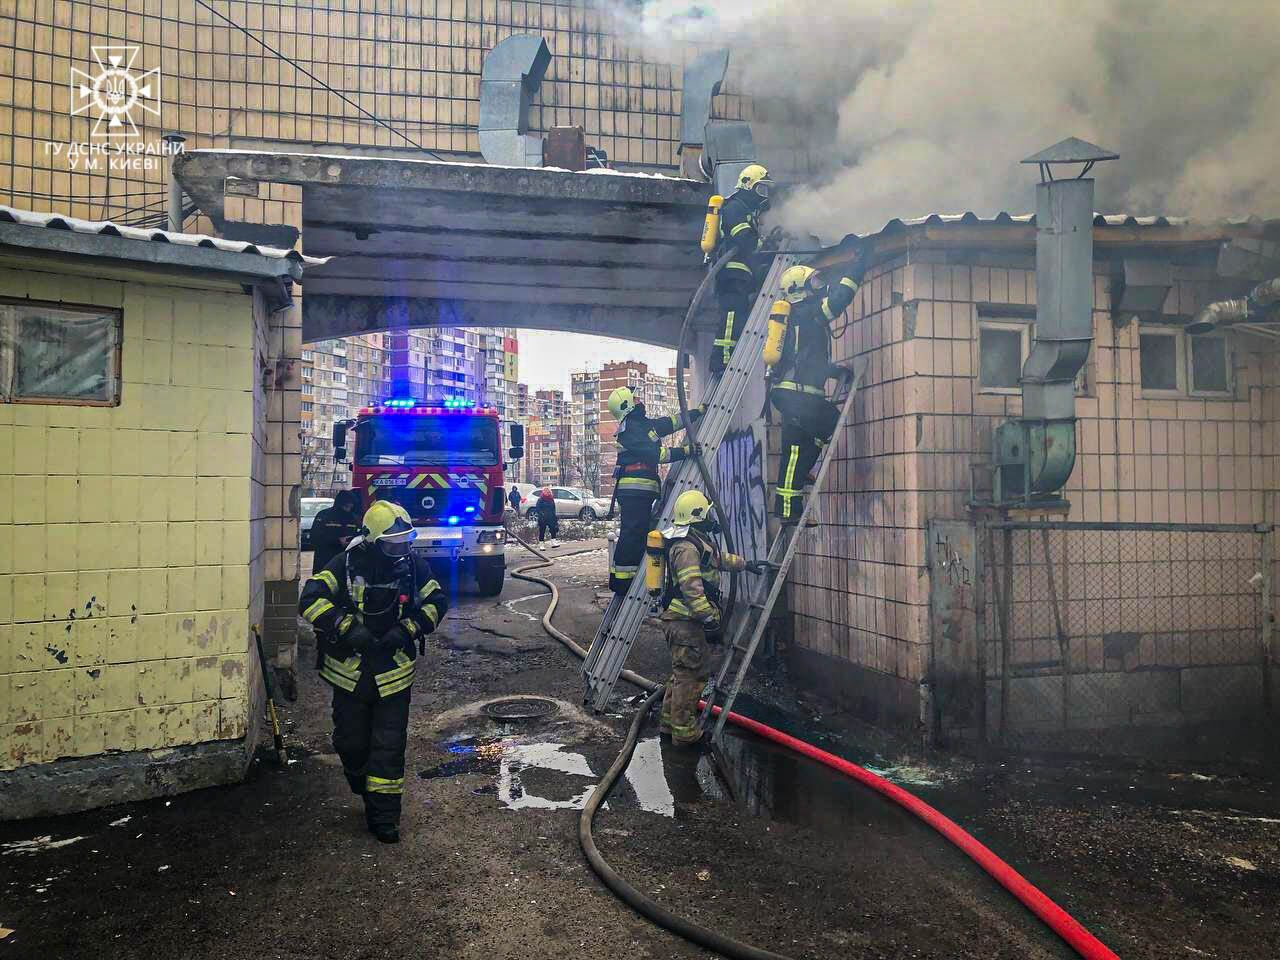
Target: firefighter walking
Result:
[372, 607]
[739, 279]
[691, 609]
[636, 479]
[799, 377]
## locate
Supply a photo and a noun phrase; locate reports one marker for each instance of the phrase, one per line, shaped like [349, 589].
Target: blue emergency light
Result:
[398, 402]
[458, 403]
[453, 521]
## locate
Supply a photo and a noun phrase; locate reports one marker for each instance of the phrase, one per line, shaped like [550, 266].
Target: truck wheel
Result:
[586, 513]
[489, 578]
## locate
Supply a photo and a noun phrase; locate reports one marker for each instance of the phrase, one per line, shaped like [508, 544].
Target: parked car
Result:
[571, 503]
[310, 507]
[528, 496]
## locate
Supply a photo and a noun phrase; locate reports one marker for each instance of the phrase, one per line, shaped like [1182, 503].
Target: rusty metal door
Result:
[955, 674]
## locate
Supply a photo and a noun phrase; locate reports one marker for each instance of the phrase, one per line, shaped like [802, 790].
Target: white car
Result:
[571, 503]
[309, 508]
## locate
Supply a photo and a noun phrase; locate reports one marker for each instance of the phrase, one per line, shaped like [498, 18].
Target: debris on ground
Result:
[37, 844]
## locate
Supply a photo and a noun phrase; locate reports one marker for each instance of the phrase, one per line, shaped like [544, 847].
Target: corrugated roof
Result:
[105, 228]
[1099, 220]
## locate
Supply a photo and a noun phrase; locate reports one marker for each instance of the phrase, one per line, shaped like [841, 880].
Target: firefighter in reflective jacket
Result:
[739, 279]
[691, 609]
[636, 480]
[799, 381]
[372, 607]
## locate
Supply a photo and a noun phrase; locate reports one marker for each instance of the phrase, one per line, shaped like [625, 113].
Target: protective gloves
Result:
[397, 638]
[359, 638]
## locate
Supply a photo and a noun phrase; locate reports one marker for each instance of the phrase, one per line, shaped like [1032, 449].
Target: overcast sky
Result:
[547, 359]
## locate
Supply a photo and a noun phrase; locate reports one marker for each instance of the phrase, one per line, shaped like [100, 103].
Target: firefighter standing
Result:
[333, 528]
[740, 278]
[798, 381]
[691, 609]
[636, 480]
[372, 607]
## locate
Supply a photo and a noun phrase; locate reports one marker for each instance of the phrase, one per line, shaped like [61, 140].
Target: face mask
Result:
[395, 549]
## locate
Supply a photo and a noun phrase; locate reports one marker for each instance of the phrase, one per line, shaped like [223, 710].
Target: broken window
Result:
[1158, 361]
[51, 353]
[1210, 372]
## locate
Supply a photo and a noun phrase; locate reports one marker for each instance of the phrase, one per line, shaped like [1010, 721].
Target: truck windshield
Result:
[407, 439]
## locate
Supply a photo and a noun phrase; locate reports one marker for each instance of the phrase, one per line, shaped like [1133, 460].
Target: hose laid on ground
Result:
[1058, 920]
[703, 936]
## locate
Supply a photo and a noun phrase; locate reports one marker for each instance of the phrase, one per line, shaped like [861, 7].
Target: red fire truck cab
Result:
[444, 464]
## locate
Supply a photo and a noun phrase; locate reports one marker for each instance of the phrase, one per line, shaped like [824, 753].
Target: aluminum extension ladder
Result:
[625, 614]
[753, 623]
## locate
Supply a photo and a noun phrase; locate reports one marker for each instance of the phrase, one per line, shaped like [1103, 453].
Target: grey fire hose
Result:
[703, 936]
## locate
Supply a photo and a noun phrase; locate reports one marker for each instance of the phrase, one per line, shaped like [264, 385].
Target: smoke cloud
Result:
[922, 107]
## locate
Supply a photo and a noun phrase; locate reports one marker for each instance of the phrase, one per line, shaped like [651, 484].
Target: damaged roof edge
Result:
[275, 271]
[1107, 227]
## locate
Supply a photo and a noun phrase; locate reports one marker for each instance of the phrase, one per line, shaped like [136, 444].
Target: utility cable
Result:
[1058, 920]
[307, 73]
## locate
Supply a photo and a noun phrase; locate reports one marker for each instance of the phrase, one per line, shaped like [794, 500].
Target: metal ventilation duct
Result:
[729, 148]
[702, 80]
[512, 73]
[1064, 299]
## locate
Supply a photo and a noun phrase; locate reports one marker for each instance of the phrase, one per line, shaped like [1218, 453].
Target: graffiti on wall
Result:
[740, 480]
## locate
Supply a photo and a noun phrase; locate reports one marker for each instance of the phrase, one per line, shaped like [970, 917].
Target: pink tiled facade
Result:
[860, 585]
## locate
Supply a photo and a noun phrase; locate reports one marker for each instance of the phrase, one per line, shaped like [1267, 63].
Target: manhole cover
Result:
[520, 708]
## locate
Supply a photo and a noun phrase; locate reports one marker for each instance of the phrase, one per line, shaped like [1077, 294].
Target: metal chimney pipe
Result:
[174, 207]
[1064, 299]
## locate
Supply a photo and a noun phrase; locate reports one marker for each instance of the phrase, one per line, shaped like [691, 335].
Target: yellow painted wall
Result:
[128, 535]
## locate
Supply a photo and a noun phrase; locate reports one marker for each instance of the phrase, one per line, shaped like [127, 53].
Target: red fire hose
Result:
[1058, 920]
[1053, 916]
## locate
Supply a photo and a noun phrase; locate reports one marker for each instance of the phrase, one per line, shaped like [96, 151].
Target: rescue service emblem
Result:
[428, 503]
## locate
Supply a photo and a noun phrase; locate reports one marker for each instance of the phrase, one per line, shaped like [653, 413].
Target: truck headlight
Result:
[491, 536]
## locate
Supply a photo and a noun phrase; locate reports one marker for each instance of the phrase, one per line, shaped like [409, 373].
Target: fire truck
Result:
[443, 463]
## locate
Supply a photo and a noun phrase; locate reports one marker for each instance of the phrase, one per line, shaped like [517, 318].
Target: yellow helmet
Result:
[621, 402]
[388, 525]
[692, 507]
[755, 178]
[795, 283]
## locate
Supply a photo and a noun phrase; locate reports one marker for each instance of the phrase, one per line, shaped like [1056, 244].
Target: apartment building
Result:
[591, 449]
[338, 378]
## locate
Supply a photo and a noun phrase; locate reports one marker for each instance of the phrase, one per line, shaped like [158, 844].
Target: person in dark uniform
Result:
[636, 479]
[798, 384]
[740, 278]
[372, 607]
[333, 528]
[514, 499]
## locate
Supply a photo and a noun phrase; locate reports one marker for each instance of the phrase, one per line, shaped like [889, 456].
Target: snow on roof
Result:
[105, 228]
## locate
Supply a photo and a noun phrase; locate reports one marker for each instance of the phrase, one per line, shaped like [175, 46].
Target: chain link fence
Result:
[1124, 637]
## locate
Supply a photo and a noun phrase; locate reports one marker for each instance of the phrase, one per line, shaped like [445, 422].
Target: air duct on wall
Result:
[1035, 453]
[512, 72]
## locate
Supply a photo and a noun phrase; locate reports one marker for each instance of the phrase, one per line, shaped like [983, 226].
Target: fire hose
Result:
[1058, 920]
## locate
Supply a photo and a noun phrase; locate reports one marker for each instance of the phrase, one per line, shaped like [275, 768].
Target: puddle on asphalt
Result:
[527, 773]
[539, 775]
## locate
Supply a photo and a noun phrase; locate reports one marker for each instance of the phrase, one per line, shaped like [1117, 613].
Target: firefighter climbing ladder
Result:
[752, 624]
[625, 614]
